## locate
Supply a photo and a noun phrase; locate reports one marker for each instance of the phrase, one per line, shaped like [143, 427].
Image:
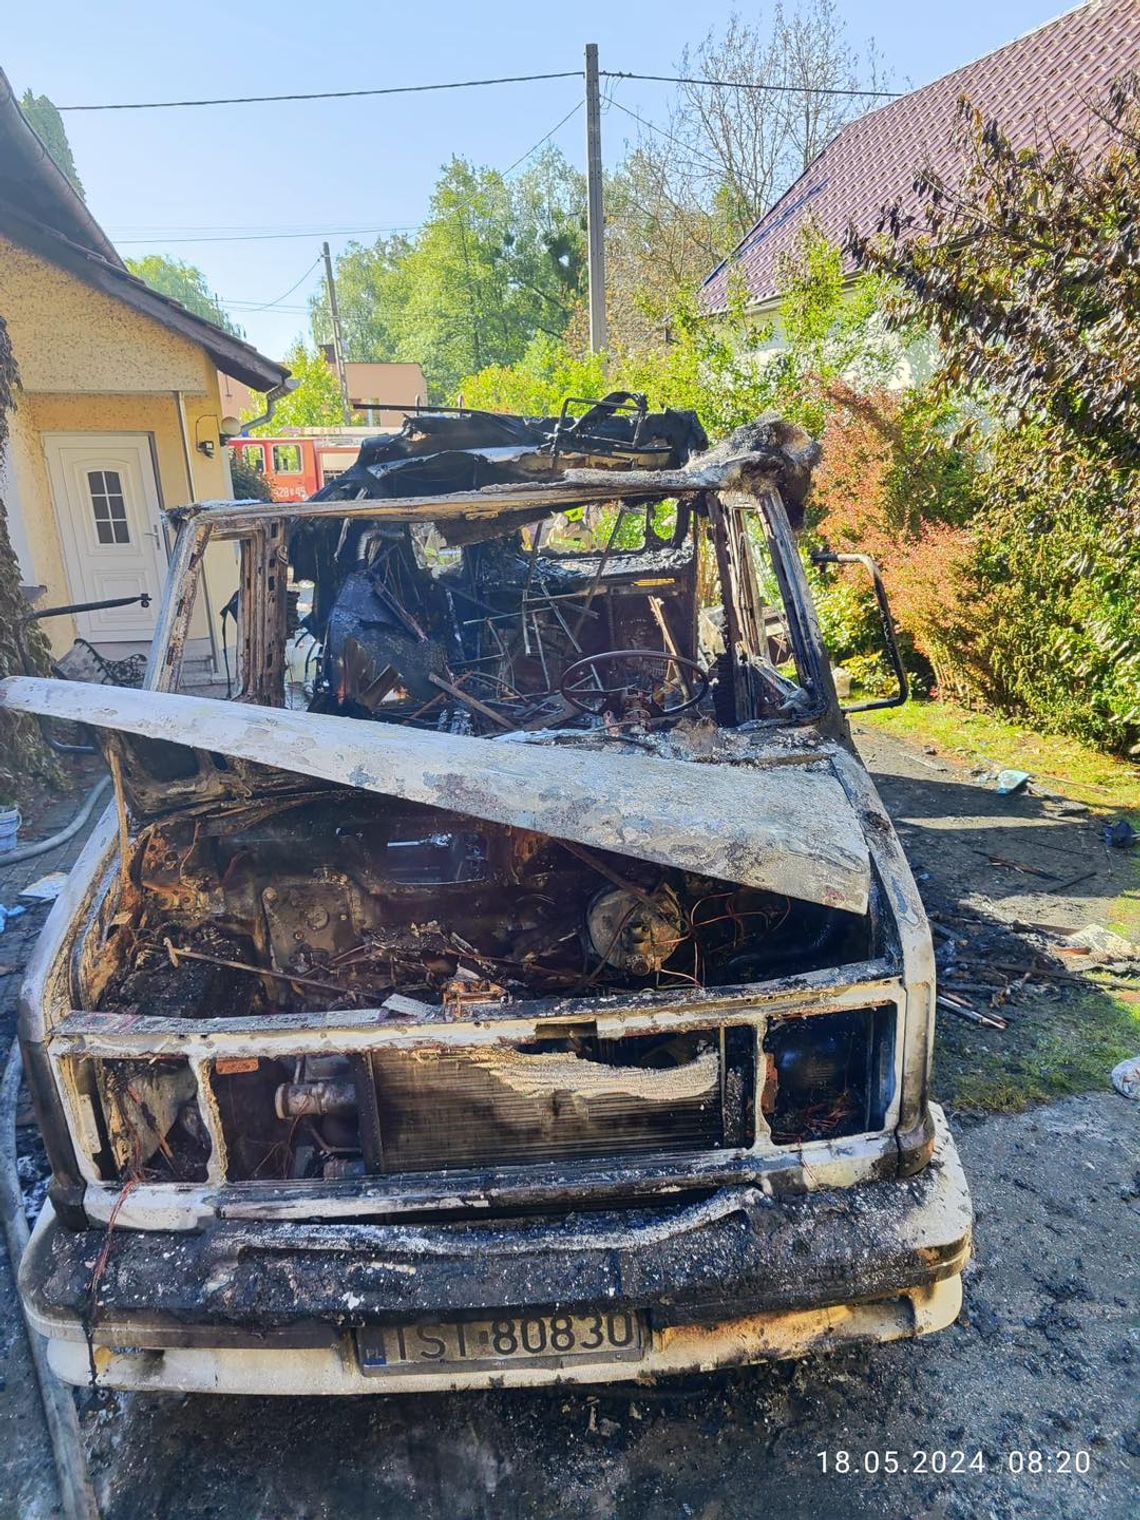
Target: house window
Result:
[106, 487]
[286, 458]
[254, 456]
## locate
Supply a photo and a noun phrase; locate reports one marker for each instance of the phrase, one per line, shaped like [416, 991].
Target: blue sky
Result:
[155, 179]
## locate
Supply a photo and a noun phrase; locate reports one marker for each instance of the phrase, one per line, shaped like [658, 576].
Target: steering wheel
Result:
[584, 685]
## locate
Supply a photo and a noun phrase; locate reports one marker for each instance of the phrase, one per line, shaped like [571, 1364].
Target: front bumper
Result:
[256, 1307]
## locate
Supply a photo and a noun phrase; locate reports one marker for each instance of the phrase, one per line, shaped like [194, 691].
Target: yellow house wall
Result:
[89, 364]
[68, 336]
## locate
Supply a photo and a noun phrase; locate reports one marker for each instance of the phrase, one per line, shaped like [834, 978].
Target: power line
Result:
[264, 306]
[245, 308]
[739, 84]
[661, 132]
[472, 84]
[573, 111]
[247, 305]
[304, 229]
[246, 100]
[258, 237]
[267, 237]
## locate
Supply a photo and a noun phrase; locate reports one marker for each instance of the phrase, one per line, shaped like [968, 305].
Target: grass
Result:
[1050, 1051]
[1076, 769]
[1052, 1048]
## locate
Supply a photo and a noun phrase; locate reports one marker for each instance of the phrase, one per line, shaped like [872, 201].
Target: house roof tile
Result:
[1041, 87]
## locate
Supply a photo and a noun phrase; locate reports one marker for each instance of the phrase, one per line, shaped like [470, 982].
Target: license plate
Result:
[535, 1339]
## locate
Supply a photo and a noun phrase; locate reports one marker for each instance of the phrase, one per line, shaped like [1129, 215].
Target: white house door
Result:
[107, 507]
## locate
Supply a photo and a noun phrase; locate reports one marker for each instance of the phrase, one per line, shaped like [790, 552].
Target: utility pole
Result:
[595, 215]
[338, 341]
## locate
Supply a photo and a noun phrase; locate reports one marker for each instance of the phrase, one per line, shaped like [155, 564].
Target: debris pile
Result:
[993, 962]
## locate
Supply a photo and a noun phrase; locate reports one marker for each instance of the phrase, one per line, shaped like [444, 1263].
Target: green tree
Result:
[314, 403]
[47, 124]
[496, 262]
[460, 314]
[371, 292]
[186, 283]
[692, 186]
[727, 371]
[544, 246]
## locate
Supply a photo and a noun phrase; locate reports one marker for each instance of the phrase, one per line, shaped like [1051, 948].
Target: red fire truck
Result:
[299, 463]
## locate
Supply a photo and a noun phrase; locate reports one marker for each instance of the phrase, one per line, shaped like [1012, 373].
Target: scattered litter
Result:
[1017, 865]
[7, 913]
[1120, 835]
[1093, 939]
[1009, 782]
[946, 953]
[967, 1011]
[979, 963]
[46, 888]
[1126, 1078]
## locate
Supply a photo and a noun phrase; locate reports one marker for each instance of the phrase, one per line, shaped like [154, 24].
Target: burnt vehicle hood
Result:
[778, 821]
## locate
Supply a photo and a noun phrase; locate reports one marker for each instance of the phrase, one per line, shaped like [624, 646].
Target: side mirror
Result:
[819, 557]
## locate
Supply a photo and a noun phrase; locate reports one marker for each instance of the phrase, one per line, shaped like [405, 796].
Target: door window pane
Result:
[287, 458]
[254, 456]
[106, 487]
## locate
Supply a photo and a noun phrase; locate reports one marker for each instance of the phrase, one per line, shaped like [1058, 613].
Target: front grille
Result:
[559, 1099]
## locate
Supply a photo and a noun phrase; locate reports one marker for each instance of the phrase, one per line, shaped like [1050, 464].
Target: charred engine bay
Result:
[339, 900]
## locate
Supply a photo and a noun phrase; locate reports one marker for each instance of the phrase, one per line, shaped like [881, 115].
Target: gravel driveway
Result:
[1043, 1360]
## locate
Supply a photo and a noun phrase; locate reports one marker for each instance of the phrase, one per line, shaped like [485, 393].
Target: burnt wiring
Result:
[737, 917]
[98, 1271]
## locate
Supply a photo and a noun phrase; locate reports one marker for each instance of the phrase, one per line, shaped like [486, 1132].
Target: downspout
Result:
[188, 457]
[278, 393]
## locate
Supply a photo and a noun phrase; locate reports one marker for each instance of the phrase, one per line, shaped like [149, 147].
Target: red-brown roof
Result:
[1040, 87]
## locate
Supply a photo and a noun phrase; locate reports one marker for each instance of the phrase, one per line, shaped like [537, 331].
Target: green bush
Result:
[248, 484]
[1056, 567]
